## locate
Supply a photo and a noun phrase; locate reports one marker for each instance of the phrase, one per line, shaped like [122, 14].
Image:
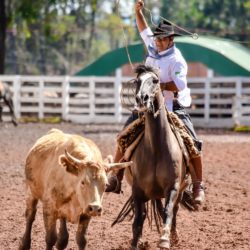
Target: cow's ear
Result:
[70, 167]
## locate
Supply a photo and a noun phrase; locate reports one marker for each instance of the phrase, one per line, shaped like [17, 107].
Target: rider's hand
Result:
[139, 5]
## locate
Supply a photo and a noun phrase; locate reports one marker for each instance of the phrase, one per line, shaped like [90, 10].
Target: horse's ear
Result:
[143, 68]
[140, 69]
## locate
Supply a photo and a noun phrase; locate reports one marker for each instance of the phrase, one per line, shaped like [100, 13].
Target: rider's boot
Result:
[198, 189]
[115, 180]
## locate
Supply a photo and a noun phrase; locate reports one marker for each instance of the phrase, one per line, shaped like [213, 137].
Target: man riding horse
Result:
[172, 67]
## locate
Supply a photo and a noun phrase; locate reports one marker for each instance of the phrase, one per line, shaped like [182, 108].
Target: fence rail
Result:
[217, 102]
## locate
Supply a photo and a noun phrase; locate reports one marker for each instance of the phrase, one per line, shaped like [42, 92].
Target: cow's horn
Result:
[71, 158]
[120, 165]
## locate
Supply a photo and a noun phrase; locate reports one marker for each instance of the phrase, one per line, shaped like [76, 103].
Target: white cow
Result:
[68, 175]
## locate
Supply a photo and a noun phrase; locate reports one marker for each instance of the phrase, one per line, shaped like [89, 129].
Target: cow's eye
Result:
[83, 183]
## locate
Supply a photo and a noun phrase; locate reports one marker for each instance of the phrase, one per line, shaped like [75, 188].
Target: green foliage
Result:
[225, 18]
[242, 129]
[30, 119]
[62, 36]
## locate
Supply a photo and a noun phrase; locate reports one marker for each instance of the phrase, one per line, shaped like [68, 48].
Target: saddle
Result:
[130, 136]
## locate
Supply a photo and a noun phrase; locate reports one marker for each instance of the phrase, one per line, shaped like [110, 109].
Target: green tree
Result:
[224, 18]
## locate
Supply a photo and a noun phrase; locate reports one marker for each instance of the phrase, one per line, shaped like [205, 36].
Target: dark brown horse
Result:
[159, 170]
[6, 96]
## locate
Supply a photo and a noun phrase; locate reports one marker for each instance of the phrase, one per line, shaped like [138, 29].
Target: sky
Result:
[126, 9]
[126, 6]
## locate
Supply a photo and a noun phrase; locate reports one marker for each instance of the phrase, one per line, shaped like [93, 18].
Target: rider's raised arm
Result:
[140, 19]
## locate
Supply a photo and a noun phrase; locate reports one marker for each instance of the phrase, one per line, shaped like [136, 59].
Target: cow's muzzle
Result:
[94, 210]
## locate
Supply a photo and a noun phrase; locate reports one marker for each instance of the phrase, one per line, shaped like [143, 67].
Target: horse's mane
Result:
[143, 69]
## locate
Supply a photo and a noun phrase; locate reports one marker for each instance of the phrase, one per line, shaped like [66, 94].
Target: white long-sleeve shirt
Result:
[171, 66]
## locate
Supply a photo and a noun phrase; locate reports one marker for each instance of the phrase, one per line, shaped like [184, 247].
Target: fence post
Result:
[17, 96]
[65, 97]
[207, 100]
[118, 86]
[41, 99]
[92, 99]
[236, 108]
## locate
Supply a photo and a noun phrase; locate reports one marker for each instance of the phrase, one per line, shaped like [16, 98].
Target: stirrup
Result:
[198, 193]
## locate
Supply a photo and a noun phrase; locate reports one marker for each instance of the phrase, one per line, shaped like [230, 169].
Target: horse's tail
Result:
[156, 212]
[127, 208]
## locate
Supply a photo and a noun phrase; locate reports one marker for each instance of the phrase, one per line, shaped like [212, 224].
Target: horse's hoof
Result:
[164, 244]
[174, 238]
[143, 245]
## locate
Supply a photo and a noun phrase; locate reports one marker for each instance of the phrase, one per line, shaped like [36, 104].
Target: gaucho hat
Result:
[165, 29]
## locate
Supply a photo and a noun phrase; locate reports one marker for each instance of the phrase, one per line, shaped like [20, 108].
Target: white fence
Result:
[217, 102]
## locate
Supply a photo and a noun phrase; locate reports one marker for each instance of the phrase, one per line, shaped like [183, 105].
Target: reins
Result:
[157, 90]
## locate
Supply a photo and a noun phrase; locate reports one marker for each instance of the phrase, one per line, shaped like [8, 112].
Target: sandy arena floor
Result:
[222, 223]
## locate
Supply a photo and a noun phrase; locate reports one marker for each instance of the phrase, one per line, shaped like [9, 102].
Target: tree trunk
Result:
[94, 4]
[3, 24]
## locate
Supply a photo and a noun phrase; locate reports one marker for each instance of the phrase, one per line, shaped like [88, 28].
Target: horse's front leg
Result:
[174, 238]
[140, 215]
[168, 215]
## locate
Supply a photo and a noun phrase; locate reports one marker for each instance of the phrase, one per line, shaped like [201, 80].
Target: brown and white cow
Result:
[68, 175]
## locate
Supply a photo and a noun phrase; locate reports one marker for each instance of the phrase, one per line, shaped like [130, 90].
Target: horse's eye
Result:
[83, 183]
[155, 80]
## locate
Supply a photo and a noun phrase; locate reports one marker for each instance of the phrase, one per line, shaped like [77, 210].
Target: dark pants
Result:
[181, 112]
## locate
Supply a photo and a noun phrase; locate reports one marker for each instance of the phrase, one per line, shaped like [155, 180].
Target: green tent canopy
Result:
[225, 57]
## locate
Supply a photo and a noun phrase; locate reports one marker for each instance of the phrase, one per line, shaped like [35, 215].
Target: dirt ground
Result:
[222, 223]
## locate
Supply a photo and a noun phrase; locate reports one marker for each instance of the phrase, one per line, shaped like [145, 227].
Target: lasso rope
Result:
[193, 35]
[124, 35]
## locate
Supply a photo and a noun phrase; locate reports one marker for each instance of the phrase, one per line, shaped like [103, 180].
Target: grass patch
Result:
[242, 129]
[37, 120]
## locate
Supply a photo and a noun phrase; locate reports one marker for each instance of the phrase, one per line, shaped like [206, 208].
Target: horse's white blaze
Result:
[146, 76]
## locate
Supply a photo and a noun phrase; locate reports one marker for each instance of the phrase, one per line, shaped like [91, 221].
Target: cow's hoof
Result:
[164, 244]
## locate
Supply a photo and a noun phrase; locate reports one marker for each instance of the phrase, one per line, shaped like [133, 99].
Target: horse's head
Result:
[147, 85]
